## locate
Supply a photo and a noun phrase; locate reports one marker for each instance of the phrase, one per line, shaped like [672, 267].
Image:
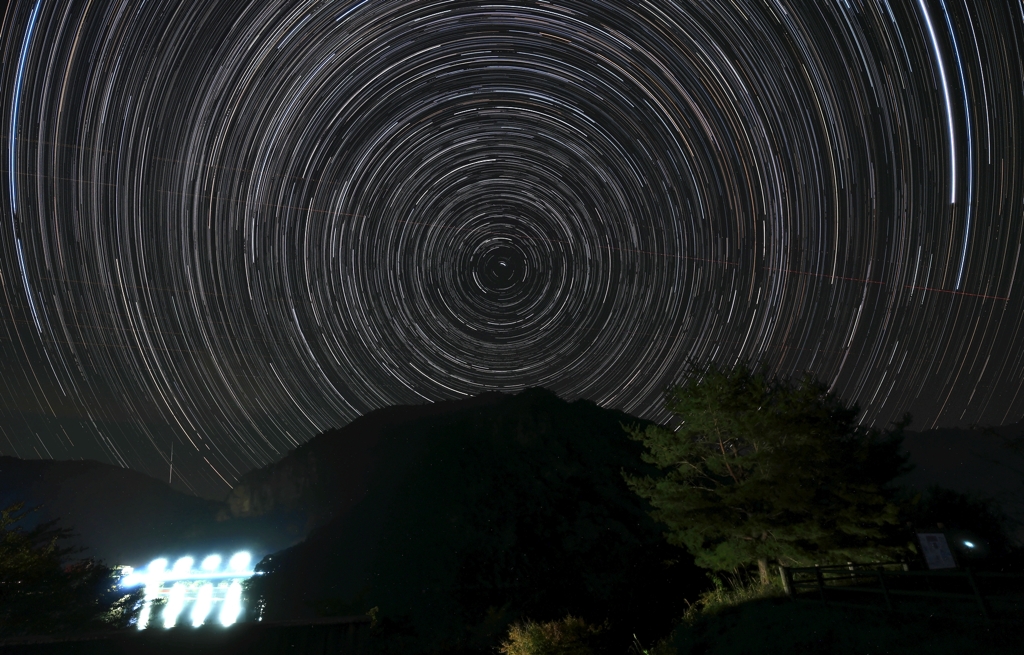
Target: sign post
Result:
[936, 551]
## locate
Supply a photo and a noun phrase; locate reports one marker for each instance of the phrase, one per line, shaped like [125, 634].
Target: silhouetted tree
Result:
[43, 591]
[764, 469]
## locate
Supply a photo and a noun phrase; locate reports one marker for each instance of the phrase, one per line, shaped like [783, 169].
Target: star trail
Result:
[234, 225]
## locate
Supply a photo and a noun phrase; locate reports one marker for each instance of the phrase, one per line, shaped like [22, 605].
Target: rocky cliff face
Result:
[276, 488]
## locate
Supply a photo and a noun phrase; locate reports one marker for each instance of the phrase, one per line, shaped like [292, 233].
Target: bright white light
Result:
[232, 606]
[969, 544]
[240, 561]
[175, 603]
[183, 566]
[152, 592]
[201, 608]
[157, 566]
[213, 586]
[131, 578]
[143, 616]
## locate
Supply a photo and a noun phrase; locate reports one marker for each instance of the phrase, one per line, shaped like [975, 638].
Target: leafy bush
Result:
[42, 591]
[569, 636]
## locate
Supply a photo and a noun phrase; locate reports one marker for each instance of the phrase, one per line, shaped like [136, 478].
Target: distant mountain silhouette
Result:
[984, 462]
[456, 518]
[451, 514]
[328, 475]
[124, 517]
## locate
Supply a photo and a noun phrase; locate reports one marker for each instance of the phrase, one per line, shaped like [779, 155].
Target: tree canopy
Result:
[764, 469]
[42, 590]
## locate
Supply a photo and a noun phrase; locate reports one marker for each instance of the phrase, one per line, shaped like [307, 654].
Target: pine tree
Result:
[763, 469]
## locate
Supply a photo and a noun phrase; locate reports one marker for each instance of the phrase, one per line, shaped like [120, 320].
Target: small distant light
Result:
[240, 561]
[183, 566]
[210, 563]
[969, 544]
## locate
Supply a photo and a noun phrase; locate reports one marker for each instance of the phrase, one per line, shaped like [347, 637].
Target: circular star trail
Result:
[229, 226]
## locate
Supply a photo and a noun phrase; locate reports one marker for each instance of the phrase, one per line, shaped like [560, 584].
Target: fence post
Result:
[885, 590]
[786, 583]
[821, 584]
[977, 594]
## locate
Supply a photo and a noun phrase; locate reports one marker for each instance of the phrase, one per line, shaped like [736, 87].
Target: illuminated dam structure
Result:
[193, 596]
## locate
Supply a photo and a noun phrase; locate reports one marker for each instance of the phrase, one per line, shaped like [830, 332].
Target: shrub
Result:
[569, 636]
[722, 597]
[43, 590]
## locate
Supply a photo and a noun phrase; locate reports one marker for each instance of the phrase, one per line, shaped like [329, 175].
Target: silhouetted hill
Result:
[988, 463]
[124, 517]
[467, 515]
[448, 515]
[328, 475]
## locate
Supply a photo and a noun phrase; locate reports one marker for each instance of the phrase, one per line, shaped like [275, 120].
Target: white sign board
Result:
[936, 550]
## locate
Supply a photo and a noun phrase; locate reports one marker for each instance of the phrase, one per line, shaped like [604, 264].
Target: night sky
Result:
[229, 226]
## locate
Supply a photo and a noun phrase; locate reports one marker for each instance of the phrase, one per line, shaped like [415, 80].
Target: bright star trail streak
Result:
[949, 103]
[12, 148]
[236, 225]
[970, 147]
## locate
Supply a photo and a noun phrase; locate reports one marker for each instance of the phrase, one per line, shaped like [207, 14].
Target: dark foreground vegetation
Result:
[531, 526]
[44, 588]
[781, 626]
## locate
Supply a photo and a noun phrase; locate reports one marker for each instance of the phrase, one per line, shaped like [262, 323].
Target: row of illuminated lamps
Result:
[204, 588]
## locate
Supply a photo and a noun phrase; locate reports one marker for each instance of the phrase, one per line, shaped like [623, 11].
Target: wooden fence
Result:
[891, 587]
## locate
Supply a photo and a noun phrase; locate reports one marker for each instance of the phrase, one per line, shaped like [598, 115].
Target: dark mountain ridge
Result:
[329, 474]
[124, 517]
[479, 514]
[987, 463]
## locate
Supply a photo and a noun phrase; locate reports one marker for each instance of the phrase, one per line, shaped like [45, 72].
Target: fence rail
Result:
[891, 587]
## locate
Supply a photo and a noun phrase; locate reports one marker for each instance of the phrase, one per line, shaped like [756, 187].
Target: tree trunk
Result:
[762, 569]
